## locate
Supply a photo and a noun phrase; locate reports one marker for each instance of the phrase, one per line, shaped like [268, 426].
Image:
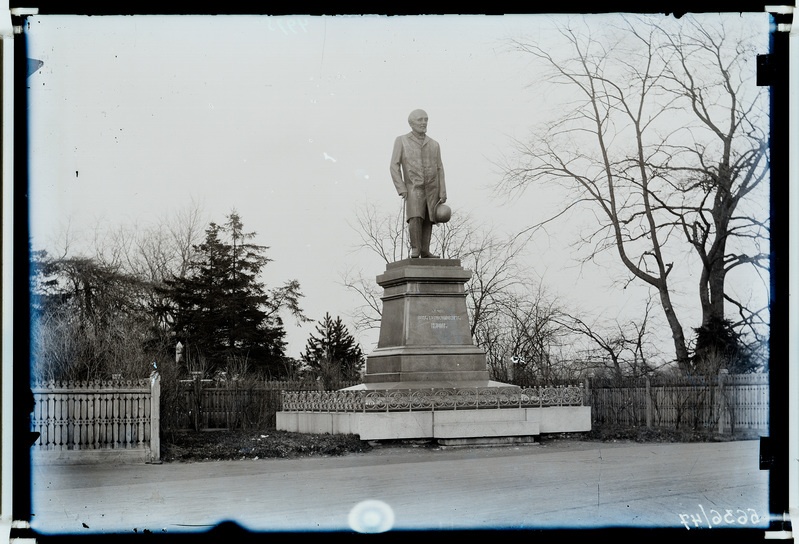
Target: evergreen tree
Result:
[222, 312]
[719, 345]
[333, 354]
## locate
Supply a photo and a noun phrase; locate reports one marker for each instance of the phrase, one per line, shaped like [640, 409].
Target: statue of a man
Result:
[418, 175]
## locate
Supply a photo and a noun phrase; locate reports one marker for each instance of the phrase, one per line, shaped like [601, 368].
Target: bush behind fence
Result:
[237, 404]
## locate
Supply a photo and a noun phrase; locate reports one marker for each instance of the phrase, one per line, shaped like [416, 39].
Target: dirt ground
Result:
[256, 444]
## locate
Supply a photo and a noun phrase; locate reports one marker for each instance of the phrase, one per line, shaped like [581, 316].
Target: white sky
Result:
[290, 121]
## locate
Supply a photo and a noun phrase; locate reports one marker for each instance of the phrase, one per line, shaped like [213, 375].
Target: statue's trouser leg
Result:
[427, 233]
[415, 233]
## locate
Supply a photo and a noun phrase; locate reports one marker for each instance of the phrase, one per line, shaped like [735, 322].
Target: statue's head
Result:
[418, 121]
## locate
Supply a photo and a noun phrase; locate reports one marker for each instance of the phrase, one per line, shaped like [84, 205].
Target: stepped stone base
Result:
[424, 328]
[425, 364]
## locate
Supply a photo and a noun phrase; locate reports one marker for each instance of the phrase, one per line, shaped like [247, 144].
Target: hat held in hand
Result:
[443, 213]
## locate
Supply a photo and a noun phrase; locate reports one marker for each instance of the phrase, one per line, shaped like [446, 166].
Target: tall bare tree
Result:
[721, 163]
[662, 141]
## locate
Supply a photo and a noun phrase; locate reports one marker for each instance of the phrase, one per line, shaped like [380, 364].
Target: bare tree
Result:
[368, 314]
[635, 148]
[88, 320]
[722, 162]
[94, 315]
[155, 252]
[382, 233]
[524, 340]
[496, 272]
[621, 348]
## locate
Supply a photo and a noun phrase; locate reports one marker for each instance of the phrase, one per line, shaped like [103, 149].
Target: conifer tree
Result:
[333, 354]
[222, 311]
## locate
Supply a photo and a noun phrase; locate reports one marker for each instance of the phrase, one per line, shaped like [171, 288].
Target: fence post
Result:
[648, 404]
[586, 392]
[720, 400]
[197, 397]
[155, 417]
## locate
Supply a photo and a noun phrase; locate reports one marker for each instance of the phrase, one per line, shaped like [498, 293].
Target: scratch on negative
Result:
[692, 466]
[599, 479]
[597, 493]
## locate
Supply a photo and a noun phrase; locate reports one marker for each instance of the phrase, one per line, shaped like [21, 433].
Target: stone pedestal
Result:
[425, 341]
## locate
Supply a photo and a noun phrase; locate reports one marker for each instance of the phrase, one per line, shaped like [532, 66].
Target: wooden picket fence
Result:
[95, 421]
[726, 403]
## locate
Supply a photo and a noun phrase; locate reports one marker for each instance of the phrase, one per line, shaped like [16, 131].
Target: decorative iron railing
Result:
[408, 400]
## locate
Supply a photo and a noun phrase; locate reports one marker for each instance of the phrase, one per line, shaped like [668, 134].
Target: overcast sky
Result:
[290, 121]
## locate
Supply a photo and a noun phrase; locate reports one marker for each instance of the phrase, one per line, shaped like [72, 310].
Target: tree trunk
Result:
[714, 272]
[680, 349]
[712, 291]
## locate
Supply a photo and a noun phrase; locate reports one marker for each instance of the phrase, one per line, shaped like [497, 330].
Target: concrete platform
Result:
[103, 456]
[498, 422]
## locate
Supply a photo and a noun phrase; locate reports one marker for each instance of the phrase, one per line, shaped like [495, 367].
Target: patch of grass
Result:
[191, 446]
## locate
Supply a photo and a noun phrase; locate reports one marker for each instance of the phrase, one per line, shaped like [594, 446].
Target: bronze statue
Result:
[418, 175]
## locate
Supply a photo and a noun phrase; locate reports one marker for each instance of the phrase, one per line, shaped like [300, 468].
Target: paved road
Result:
[559, 484]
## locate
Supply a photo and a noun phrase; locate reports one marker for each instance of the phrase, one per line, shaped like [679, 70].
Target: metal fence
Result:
[408, 400]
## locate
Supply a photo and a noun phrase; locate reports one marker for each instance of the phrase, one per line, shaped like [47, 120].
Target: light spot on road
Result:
[371, 516]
